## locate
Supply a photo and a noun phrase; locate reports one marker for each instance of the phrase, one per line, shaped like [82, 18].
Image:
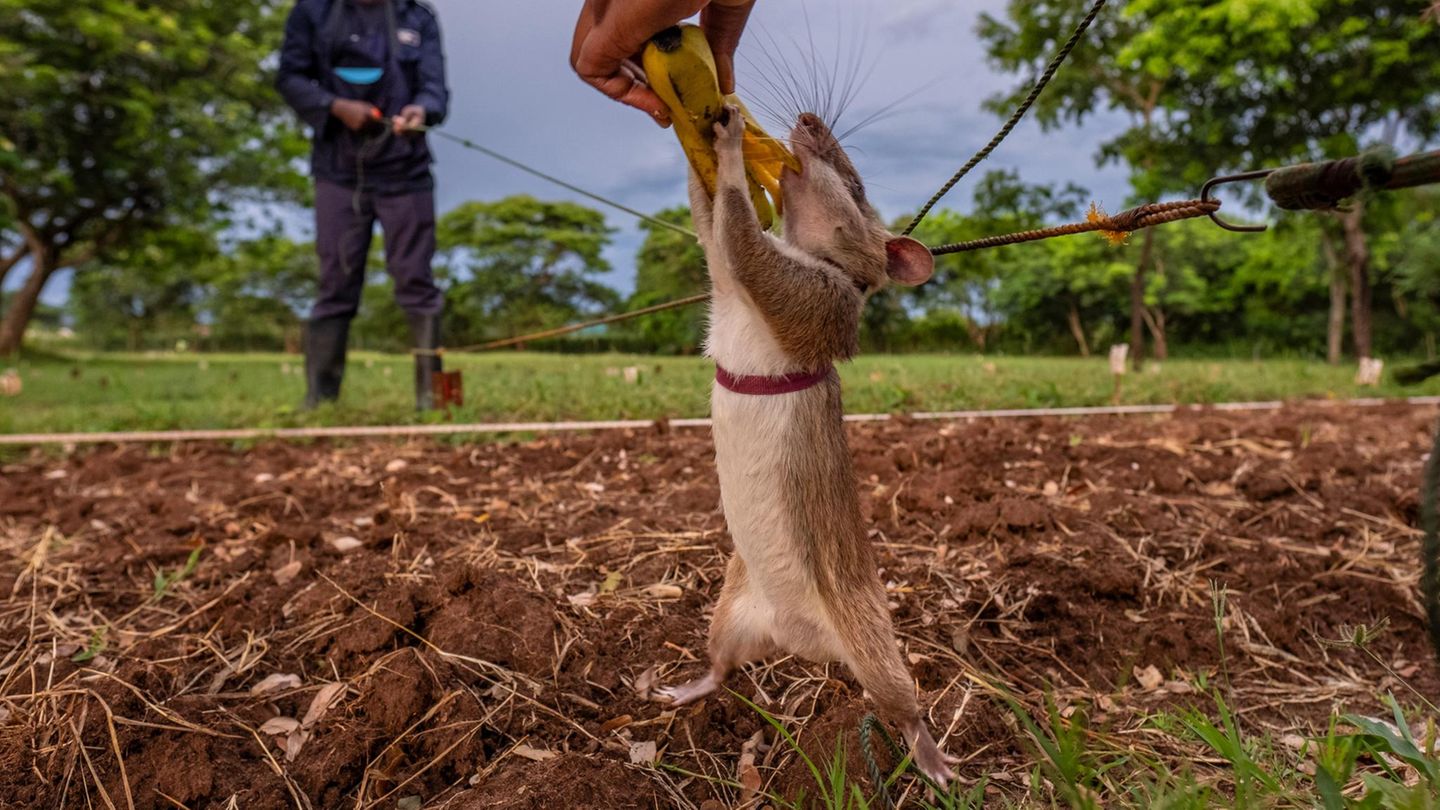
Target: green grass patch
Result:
[93, 392]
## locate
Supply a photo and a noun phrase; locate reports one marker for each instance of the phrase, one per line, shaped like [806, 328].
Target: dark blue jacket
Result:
[318, 34]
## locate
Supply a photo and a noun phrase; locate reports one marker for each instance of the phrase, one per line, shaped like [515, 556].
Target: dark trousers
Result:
[344, 225]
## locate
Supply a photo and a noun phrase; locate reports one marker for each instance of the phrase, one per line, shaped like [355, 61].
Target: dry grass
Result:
[604, 531]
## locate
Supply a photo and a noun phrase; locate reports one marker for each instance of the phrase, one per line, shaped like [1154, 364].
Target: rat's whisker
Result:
[781, 76]
[858, 74]
[885, 110]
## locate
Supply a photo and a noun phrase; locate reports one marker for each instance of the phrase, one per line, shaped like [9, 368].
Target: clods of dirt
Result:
[381, 625]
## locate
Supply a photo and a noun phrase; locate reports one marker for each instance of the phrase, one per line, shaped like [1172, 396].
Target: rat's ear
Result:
[908, 262]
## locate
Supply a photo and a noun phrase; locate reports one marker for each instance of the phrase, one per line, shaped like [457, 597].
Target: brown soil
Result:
[503, 605]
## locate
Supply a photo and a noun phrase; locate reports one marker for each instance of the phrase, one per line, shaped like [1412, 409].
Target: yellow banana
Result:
[681, 70]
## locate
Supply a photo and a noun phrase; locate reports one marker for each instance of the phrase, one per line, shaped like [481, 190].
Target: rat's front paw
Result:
[729, 147]
[730, 128]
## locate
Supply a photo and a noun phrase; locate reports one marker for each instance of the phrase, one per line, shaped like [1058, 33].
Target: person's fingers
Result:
[724, 23]
[626, 90]
[725, 72]
[618, 78]
[632, 70]
[608, 34]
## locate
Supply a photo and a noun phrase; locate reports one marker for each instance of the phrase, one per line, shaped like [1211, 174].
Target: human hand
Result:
[610, 35]
[355, 115]
[410, 119]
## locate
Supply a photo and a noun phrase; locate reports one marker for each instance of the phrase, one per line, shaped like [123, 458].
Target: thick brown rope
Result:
[1144, 216]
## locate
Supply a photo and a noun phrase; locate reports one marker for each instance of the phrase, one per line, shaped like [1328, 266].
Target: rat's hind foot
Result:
[928, 757]
[688, 692]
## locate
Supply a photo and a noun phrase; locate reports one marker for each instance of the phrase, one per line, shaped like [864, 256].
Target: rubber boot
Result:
[325, 340]
[425, 337]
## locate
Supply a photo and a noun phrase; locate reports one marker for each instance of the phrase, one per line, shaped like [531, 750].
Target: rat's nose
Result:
[810, 121]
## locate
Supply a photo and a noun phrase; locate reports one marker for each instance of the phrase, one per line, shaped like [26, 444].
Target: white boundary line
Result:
[388, 431]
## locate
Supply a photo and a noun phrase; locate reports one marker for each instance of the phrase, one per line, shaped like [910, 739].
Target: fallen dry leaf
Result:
[345, 545]
[746, 771]
[644, 753]
[280, 725]
[294, 743]
[286, 573]
[532, 754]
[275, 682]
[1149, 678]
[321, 703]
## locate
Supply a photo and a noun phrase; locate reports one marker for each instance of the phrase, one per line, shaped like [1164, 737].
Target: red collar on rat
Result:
[770, 386]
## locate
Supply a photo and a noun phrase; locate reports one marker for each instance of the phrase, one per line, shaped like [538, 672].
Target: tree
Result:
[1411, 254]
[968, 282]
[669, 265]
[1249, 85]
[523, 264]
[1093, 77]
[12, 244]
[121, 119]
[257, 293]
[1220, 86]
[1076, 281]
[146, 294]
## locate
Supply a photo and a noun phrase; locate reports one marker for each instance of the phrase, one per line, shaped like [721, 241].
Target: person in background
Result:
[611, 33]
[365, 75]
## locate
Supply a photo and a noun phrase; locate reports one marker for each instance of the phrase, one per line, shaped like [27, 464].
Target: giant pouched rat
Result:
[803, 577]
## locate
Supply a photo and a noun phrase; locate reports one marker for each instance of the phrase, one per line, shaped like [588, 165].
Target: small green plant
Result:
[164, 580]
[1361, 637]
[838, 789]
[94, 648]
[1251, 779]
[831, 798]
[1063, 758]
[1384, 743]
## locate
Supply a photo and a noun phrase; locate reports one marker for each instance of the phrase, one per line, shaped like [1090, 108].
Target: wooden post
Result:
[1119, 353]
[1370, 371]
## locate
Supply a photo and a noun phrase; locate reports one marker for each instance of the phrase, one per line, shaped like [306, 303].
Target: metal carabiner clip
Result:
[1233, 178]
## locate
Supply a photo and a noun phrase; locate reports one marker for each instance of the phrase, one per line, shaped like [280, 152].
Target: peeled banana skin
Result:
[680, 68]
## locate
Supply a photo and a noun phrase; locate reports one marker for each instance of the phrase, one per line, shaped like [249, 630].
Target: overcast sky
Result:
[513, 90]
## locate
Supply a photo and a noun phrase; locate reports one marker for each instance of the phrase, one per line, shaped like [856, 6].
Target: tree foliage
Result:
[1213, 86]
[522, 264]
[670, 265]
[120, 119]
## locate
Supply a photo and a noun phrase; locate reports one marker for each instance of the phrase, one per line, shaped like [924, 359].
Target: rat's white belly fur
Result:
[751, 447]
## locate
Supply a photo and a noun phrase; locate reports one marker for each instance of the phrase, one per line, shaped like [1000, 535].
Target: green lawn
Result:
[89, 392]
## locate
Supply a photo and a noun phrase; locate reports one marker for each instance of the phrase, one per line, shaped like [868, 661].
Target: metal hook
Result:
[1234, 178]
